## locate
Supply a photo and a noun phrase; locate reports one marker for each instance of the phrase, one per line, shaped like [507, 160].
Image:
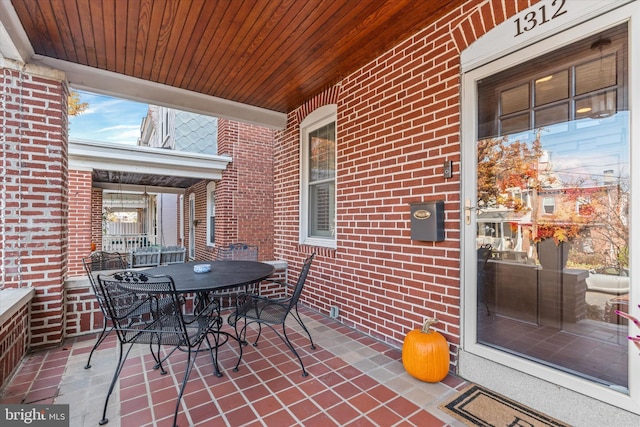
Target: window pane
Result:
[552, 115]
[597, 106]
[322, 147]
[322, 210]
[553, 87]
[516, 99]
[515, 124]
[596, 75]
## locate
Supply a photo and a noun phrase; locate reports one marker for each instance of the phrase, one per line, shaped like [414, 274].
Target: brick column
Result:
[80, 220]
[244, 196]
[33, 192]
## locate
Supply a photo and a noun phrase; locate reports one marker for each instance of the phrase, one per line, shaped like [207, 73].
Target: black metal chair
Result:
[135, 305]
[484, 254]
[235, 252]
[238, 251]
[272, 312]
[101, 261]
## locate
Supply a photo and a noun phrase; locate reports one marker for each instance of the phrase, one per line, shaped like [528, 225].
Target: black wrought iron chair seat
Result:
[263, 309]
[168, 332]
[148, 310]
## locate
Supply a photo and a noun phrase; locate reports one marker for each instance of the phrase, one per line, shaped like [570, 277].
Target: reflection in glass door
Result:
[552, 203]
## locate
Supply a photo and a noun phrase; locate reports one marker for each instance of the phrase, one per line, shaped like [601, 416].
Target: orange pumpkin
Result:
[425, 354]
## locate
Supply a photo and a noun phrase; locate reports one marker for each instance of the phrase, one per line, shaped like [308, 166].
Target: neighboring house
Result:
[181, 131]
[338, 178]
[216, 212]
[153, 218]
[188, 217]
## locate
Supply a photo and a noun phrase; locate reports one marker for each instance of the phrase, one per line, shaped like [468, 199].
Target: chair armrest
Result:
[252, 299]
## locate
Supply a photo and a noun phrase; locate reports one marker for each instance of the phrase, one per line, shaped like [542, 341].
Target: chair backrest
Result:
[301, 280]
[134, 301]
[238, 251]
[101, 261]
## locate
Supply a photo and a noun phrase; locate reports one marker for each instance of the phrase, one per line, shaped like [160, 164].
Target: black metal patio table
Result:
[223, 275]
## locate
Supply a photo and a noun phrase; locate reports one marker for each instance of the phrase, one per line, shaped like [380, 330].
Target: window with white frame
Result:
[583, 206]
[211, 214]
[318, 177]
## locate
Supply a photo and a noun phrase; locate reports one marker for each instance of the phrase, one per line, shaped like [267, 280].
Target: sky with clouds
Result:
[108, 119]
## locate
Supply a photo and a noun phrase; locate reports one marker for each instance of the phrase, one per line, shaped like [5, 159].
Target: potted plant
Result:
[553, 242]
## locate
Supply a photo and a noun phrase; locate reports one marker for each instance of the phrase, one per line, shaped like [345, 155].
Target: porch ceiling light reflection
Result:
[544, 79]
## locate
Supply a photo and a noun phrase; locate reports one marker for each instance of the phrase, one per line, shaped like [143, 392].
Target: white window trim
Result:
[481, 60]
[211, 209]
[192, 231]
[182, 219]
[319, 117]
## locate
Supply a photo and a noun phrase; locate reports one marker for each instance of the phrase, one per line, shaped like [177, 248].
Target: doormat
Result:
[477, 406]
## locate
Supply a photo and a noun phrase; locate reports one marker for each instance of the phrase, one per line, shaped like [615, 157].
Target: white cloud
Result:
[108, 119]
[120, 127]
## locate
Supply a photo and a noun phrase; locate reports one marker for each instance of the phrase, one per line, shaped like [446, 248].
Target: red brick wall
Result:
[80, 219]
[244, 196]
[96, 218]
[14, 342]
[34, 226]
[83, 311]
[398, 121]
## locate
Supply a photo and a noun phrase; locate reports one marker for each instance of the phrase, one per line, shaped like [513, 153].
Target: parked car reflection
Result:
[612, 280]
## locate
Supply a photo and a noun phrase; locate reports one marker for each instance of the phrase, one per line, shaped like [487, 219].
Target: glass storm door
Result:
[552, 209]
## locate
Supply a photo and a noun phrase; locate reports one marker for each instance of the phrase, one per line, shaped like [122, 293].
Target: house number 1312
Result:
[541, 16]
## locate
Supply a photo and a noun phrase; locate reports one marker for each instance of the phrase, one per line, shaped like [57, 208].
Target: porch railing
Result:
[124, 243]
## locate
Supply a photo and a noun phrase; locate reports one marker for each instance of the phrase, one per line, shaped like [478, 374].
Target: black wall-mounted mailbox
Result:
[427, 221]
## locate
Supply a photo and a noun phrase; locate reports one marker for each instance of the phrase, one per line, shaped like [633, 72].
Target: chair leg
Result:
[214, 359]
[241, 336]
[157, 358]
[101, 338]
[296, 316]
[285, 338]
[122, 357]
[255, 343]
[191, 360]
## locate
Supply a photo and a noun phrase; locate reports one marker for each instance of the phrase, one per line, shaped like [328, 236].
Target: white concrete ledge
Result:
[12, 300]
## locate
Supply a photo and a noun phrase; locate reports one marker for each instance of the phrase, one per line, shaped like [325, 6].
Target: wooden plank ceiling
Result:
[273, 54]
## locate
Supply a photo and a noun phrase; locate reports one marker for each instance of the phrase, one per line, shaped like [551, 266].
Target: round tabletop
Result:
[223, 274]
